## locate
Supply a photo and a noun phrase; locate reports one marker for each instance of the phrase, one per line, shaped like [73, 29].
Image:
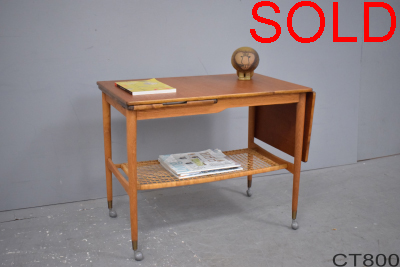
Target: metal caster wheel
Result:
[249, 193]
[295, 225]
[112, 213]
[138, 256]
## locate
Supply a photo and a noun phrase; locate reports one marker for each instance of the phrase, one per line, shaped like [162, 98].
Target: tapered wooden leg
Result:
[252, 113]
[107, 152]
[131, 134]
[300, 112]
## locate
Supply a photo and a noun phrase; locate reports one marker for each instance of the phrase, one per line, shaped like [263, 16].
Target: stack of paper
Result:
[186, 165]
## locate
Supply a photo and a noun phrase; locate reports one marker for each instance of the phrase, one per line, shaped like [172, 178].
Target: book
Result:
[185, 165]
[151, 86]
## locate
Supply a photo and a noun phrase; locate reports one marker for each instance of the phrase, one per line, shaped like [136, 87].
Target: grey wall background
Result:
[379, 113]
[53, 52]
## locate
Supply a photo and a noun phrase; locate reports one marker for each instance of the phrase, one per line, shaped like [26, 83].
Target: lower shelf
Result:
[152, 175]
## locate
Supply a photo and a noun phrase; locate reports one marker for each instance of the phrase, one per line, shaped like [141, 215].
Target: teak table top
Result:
[204, 87]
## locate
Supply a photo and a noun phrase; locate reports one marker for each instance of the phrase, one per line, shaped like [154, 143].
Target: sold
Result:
[311, 39]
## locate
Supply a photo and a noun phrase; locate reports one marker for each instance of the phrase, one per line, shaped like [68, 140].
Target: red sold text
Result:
[336, 37]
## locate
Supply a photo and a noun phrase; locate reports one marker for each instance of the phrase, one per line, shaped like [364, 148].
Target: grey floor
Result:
[347, 209]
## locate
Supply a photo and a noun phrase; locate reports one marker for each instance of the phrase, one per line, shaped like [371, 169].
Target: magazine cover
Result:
[195, 162]
[202, 173]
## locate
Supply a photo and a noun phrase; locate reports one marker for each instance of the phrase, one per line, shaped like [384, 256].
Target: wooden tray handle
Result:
[177, 104]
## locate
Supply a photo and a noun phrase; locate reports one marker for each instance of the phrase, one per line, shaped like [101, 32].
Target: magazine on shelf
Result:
[198, 163]
[202, 173]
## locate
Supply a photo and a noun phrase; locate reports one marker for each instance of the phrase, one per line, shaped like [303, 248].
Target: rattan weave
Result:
[152, 175]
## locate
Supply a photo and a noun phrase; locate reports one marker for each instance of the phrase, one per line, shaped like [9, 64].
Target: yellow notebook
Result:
[144, 87]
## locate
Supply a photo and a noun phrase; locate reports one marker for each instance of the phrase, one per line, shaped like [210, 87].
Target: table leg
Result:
[300, 113]
[131, 135]
[252, 117]
[107, 152]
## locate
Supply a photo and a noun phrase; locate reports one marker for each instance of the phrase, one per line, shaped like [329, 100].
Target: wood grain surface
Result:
[275, 125]
[193, 88]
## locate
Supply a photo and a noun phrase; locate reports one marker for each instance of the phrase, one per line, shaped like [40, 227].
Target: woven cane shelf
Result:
[152, 175]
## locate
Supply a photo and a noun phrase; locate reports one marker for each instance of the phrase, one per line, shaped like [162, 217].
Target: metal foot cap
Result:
[249, 193]
[138, 256]
[112, 213]
[295, 225]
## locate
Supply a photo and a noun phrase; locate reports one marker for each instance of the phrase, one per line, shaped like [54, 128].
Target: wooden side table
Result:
[280, 114]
